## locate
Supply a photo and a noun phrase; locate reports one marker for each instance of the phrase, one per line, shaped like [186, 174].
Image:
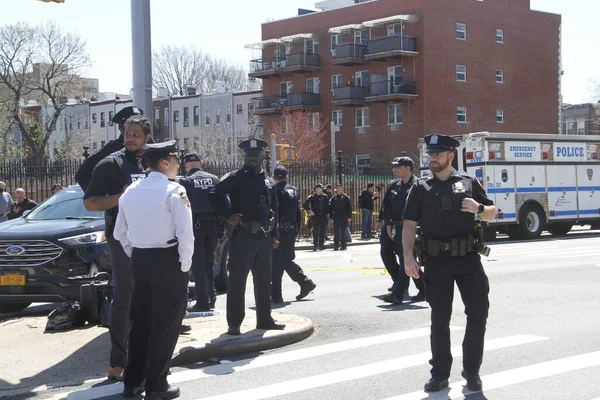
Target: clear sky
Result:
[223, 27]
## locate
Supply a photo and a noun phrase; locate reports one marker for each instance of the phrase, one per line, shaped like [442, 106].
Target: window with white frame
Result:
[335, 39]
[362, 78]
[313, 121]
[176, 116]
[500, 116]
[239, 109]
[186, 116]
[218, 114]
[461, 31]
[167, 116]
[461, 115]
[207, 115]
[499, 35]
[362, 36]
[311, 47]
[395, 114]
[499, 76]
[394, 29]
[337, 117]
[336, 81]
[228, 117]
[362, 117]
[461, 73]
[196, 115]
[284, 89]
[312, 85]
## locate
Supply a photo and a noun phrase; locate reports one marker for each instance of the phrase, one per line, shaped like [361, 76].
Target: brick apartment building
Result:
[388, 72]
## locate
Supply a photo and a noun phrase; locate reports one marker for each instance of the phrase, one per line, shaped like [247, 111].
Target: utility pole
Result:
[141, 56]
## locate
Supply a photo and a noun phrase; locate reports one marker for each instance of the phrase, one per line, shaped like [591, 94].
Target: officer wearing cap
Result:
[253, 212]
[317, 205]
[445, 205]
[161, 250]
[198, 184]
[290, 220]
[395, 201]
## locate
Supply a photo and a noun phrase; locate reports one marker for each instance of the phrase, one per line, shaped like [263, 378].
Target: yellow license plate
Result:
[12, 280]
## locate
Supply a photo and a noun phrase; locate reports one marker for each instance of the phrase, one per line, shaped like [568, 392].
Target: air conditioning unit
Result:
[361, 129]
[394, 127]
[333, 53]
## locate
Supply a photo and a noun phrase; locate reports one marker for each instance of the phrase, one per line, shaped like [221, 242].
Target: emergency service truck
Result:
[537, 182]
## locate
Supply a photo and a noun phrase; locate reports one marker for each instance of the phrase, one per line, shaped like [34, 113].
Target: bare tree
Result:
[71, 135]
[303, 130]
[176, 67]
[39, 65]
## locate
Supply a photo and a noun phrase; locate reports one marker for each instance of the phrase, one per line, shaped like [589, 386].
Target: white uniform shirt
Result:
[152, 212]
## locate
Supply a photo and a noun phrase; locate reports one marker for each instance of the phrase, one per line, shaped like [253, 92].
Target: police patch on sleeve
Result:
[185, 199]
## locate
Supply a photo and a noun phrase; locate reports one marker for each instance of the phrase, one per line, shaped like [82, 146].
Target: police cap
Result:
[403, 162]
[438, 143]
[125, 113]
[280, 171]
[191, 157]
[160, 150]
[319, 185]
[253, 146]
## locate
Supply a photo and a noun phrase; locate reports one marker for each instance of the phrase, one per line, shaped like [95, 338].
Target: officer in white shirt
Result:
[154, 226]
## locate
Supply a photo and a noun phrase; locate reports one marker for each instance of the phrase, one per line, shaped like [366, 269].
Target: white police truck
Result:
[537, 181]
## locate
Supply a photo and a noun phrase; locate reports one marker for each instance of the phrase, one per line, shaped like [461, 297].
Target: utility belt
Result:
[199, 218]
[254, 227]
[395, 222]
[455, 247]
[287, 227]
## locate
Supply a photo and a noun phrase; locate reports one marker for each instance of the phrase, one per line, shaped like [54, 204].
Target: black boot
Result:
[435, 385]
[305, 289]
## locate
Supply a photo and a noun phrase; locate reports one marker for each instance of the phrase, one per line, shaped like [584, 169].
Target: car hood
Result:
[50, 229]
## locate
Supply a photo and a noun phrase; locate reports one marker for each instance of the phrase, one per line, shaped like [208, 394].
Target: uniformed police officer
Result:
[198, 184]
[341, 213]
[395, 202]
[445, 206]
[161, 250]
[253, 211]
[317, 205]
[290, 219]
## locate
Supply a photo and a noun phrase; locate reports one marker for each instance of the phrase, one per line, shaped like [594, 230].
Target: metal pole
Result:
[332, 124]
[141, 55]
[273, 152]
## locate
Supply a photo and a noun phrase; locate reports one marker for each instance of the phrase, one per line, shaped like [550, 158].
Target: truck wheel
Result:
[560, 228]
[222, 278]
[489, 234]
[13, 307]
[532, 221]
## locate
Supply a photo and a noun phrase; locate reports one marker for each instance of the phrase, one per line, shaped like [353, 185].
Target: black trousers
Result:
[440, 274]
[392, 255]
[249, 252]
[205, 241]
[283, 260]
[340, 223]
[157, 309]
[319, 228]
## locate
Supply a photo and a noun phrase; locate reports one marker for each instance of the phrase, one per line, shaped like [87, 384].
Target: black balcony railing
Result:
[268, 103]
[350, 93]
[303, 99]
[349, 50]
[266, 64]
[392, 43]
[302, 60]
[392, 87]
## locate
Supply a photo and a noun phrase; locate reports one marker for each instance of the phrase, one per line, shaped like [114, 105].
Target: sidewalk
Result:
[36, 361]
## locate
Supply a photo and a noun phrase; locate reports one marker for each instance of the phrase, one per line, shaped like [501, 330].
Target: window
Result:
[85, 123]
[311, 47]
[228, 117]
[94, 118]
[167, 116]
[110, 117]
[461, 73]
[156, 119]
[186, 116]
[312, 85]
[394, 29]
[362, 117]
[176, 116]
[335, 39]
[250, 110]
[362, 78]
[206, 115]
[461, 31]
[499, 35]
[396, 75]
[395, 115]
[102, 121]
[313, 121]
[499, 76]
[239, 109]
[186, 144]
[218, 114]
[284, 89]
[461, 115]
[196, 115]
[500, 116]
[362, 37]
[336, 81]
[337, 118]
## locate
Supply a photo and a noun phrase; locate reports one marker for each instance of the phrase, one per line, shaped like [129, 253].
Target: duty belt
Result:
[455, 247]
[395, 222]
[254, 227]
[287, 227]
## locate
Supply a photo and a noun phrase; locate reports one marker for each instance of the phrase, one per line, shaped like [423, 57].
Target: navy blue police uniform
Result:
[319, 205]
[451, 256]
[252, 196]
[290, 220]
[340, 208]
[198, 184]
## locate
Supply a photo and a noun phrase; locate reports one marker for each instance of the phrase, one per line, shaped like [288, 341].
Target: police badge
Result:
[185, 199]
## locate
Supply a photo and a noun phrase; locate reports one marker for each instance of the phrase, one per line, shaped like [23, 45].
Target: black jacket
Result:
[27, 204]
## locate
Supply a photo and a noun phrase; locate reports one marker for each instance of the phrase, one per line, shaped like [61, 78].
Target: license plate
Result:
[12, 280]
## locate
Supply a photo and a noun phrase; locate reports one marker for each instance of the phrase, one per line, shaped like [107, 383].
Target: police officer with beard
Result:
[290, 219]
[198, 184]
[445, 206]
[317, 205]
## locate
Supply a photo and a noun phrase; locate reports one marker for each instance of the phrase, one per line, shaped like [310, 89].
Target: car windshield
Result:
[65, 204]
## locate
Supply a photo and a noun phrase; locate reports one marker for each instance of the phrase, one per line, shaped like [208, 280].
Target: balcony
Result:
[272, 105]
[269, 105]
[266, 67]
[388, 47]
[349, 54]
[301, 62]
[350, 96]
[392, 90]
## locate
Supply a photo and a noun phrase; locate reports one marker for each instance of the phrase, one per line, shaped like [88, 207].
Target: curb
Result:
[255, 340]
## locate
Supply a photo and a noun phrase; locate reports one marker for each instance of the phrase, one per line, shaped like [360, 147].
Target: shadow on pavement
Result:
[36, 310]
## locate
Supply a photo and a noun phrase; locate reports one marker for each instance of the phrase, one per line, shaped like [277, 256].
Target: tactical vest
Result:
[197, 186]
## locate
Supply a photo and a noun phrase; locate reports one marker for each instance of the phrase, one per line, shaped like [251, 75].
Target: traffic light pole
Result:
[273, 152]
[141, 55]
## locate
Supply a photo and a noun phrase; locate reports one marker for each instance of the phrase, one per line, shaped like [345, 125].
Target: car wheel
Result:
[223, 276]
[532, 221]
[560, 228]
[12, 307]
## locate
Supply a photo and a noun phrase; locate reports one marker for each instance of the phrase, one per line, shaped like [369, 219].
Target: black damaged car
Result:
[49, 253]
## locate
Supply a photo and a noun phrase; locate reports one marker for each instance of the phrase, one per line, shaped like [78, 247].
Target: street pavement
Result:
[542, 340]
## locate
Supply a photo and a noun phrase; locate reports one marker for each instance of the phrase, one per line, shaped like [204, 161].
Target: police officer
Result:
[161, 251]
[341, 213]
[317, 205]
[290, 219]
[403, 168]
[253, 213]
[198, 184]
[445, 206]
